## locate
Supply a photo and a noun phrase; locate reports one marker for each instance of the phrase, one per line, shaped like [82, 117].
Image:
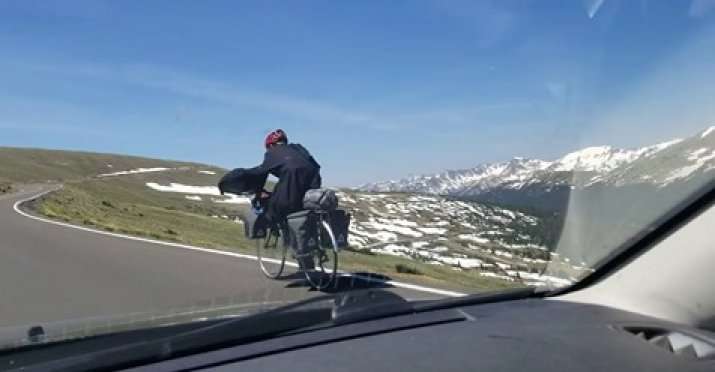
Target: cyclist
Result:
[297, 172]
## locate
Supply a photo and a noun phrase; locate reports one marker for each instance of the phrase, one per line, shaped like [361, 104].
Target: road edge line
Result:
[17, 204]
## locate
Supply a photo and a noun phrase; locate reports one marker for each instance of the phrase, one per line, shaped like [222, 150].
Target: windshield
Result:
[460, 147]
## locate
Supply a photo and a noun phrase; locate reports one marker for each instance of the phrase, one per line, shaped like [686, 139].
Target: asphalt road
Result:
[51, 273]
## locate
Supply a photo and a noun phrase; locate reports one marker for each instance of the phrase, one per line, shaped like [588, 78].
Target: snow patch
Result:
[432, 230]
[199, 190]
[233, 199]
[465, 263]
[133, 171]
[392, 250]
[699, 157]
[664, 145]
[468, 225]
[707, 131]
[473, 238]
[193, 197]
[399, 222]
[207, 172]
[343, 197]
[495, 275]
[374, 225]
[185, 189]
[382, 236]
[356, 241]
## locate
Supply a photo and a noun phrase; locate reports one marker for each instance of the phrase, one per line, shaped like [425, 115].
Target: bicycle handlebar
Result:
[247, 193]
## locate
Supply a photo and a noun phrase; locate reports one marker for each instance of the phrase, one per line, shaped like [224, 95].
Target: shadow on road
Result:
[352, 282]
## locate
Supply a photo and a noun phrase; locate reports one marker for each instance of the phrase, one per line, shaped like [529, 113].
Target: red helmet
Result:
[276, 136]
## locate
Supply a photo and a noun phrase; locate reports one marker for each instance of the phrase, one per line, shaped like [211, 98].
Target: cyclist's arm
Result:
[262, 170]
[269, 164]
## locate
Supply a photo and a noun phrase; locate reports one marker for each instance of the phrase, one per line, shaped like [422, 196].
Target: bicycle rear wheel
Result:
[325, 257]
[272, 251]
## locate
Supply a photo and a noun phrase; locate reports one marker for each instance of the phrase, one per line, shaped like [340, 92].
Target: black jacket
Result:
[297, 172]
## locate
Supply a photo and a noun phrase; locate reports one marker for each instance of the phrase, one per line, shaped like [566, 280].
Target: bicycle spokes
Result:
[271, 252]
[327, 259]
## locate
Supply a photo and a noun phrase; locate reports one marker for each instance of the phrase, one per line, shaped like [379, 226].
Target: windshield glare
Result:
[156, 159]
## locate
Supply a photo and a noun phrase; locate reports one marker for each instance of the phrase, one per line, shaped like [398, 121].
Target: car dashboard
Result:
[530, 334]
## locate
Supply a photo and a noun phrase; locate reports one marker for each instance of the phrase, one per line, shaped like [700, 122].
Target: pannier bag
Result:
[255, 225]
[302, 227]
[320, 200]
[303, 237]
[339, 223]
[238, 181]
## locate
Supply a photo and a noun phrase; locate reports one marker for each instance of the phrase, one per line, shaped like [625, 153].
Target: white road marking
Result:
[393, 283]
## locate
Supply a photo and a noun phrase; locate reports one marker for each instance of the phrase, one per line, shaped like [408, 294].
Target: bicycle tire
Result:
[326, 260]
[272, 252]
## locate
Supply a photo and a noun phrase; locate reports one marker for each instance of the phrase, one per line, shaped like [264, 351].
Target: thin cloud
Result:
[76, 9]
[593, 6]
[700, 8]
[490, 22]
[180, 83]
[462, 115]
[232, 95]
[557, 90]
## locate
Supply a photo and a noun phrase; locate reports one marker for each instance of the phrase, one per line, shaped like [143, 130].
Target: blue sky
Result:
[375, 89]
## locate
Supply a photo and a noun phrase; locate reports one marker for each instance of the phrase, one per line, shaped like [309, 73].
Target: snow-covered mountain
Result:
[681, 161]
[602, 159]
[658, 164]
[514, 172]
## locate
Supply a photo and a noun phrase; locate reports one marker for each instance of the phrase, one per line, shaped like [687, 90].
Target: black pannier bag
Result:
[339, 223]
[255, 225]
[320, 200]
[238, 181]
[302, 231]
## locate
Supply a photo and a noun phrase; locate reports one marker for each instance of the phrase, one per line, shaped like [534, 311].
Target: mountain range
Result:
[540, 183]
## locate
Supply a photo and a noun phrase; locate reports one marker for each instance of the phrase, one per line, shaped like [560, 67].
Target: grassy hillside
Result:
[125, 204]
[36, 165]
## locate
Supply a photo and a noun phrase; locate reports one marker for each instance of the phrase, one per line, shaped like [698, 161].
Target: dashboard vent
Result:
[678, 343]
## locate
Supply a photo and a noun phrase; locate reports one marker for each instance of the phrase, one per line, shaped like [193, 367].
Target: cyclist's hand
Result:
[255, 202]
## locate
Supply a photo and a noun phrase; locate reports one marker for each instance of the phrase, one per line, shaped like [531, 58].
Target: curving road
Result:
[50, 273]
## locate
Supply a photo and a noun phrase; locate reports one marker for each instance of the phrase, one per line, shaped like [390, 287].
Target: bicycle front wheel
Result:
[272, 251]
[325, 258]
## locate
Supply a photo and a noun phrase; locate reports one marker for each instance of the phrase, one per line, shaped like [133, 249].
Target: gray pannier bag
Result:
[303, 234]
[320, 200]
[340, 223]
[254, 225]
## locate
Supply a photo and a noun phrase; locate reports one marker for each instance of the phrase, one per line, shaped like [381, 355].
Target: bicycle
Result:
[272, 252]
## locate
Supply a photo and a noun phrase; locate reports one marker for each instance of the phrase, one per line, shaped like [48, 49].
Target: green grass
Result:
[112, 206]
[5, 187]
[126, 206]
[411, 271]
[407, 269]
[24, 165]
